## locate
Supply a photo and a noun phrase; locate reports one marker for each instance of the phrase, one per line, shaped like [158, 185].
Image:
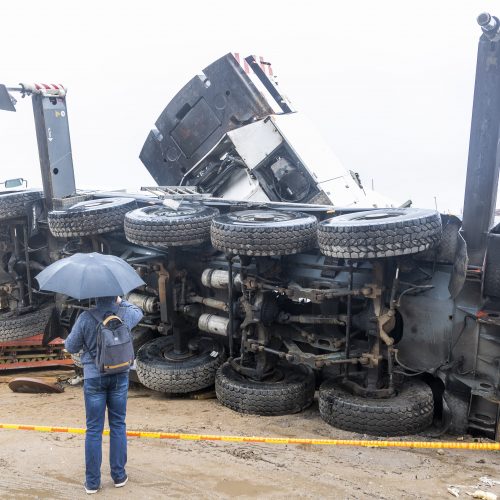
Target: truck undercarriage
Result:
[270, 271]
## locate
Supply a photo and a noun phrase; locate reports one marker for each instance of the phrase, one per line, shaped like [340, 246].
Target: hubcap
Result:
[170, 355]
[168, 212]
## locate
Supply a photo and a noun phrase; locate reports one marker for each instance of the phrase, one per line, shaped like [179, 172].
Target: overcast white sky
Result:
[388, 83]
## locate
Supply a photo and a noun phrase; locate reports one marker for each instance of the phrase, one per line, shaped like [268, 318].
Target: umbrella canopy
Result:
[88, 275]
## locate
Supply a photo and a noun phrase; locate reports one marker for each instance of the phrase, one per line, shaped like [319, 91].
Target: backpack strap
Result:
[113, 317]
[98, 317]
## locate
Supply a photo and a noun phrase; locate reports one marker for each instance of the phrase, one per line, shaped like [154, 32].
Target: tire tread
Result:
[251, 397]
[410, 412]
[14, 327]
[378, 239]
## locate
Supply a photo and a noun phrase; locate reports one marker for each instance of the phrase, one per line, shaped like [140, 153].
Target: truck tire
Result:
[263, 232]
[158, 372]
[379, 233]
[14, 327]
[409, 412]
[444, 252]
[292, 394]
[458, 409]
[447, 248]
[159, 225]
[491, 273]
[492, 280]
[14, 204]
[90, 217]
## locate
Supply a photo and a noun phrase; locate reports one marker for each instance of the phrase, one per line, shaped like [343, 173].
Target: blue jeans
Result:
[99, 392]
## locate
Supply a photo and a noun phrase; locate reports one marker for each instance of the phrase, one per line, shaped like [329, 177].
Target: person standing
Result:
[101, 391]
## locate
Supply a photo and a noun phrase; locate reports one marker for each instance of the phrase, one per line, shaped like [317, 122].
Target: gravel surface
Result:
[38, 465]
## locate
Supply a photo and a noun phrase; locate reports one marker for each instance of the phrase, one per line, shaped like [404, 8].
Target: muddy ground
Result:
[39, 465]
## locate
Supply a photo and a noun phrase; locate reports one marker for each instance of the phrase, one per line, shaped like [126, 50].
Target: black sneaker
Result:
[121, 482]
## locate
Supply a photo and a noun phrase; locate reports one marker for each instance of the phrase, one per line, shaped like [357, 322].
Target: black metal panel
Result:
[197, 118]
[483, 165]
[195, 128]
[427, 325]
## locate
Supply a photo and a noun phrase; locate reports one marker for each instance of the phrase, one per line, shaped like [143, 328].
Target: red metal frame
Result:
[36, 364]
[35, 341]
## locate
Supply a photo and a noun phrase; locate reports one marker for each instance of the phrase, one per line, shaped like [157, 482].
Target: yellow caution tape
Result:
[454, 445]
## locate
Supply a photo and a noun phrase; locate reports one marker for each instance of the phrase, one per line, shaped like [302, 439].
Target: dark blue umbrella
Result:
[88, 275]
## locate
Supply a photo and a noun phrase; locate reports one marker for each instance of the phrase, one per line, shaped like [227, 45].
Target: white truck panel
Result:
[244, 187]
[256, 141]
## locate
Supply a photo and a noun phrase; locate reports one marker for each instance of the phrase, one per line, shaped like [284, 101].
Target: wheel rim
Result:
[94, 203]
[259, 216]
[195, 349]
[169, 354]
[170, 212]
[379, 215]
[275, 376]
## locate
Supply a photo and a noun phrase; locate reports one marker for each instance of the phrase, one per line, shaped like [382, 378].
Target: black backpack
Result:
[115, 351]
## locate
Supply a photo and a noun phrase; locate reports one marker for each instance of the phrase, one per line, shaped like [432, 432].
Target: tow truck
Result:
[270, 270]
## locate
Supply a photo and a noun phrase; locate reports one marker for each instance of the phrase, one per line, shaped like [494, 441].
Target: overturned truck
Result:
[270, 270]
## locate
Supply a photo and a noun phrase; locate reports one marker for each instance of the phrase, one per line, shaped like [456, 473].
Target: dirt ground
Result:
[39, 465]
